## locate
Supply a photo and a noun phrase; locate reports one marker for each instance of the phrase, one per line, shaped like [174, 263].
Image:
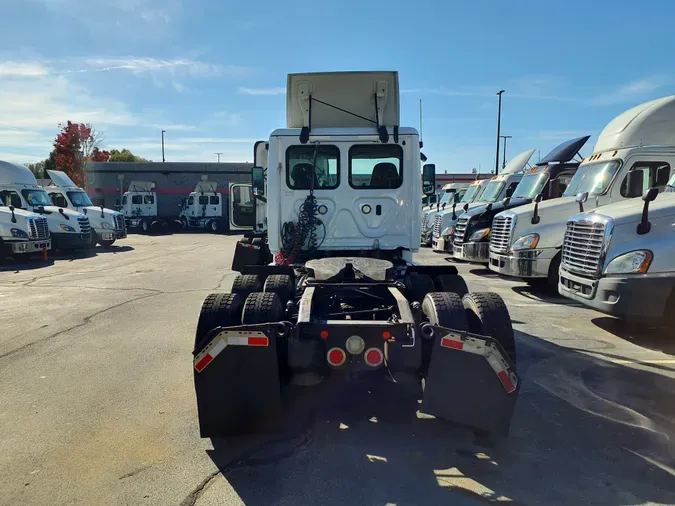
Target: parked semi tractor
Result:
[139, 207]
[107, 225]
[68, 229]
[342, 295]
[476, 231]
[498, 188]
[452, 194]
[204, 208]
[641, 140]
[22, 232]
[627, 268]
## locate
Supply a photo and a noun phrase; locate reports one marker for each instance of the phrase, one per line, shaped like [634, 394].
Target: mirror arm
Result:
[644, 226]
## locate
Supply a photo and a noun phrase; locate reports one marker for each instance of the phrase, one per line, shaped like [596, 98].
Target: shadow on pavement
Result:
[484, 271]
[585, 431]
[540, 294]
[654, 338]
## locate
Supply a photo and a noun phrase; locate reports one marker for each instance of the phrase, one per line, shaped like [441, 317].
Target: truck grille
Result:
[460, 230]
[39, 228]
[425, 221]
[583, 246]
[85, 227]
[437, 225]
[500, 233]
[120, 224]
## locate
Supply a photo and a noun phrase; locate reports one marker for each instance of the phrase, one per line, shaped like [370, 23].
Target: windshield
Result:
[470, 193]
[492, 191]
[447, 197]
[36, 198]
[593, 178]
[531, 185]
[79, 199]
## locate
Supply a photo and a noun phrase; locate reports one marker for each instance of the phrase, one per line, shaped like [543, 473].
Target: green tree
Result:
[38, 169]
[125, 155]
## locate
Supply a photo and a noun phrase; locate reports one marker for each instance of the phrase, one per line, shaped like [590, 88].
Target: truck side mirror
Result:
[11, 208]
[535, 214]
[258, 180]
[634, 183]
[644, 226]
[581, 198]
[428, 178]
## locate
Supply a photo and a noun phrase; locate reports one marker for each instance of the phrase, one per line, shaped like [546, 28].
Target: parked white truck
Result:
[22, 232]
[107, 225]
[205, 208]
[452, 194]
[68, 229]
[139, 207]
[634, 152]
[620, 259]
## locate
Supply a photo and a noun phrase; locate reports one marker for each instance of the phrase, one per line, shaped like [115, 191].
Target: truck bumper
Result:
[640, 297]
[523, 264]
[477, 252]
[71, 241]
[110, 235]
[441, 244]
[16, 247]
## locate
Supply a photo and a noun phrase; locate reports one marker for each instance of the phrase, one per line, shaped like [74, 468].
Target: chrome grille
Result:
[437, 225]
[425, 221]
[460, 230]
[582, 246]
[119, 222]
[500, 233]
[85, 227]
[39, 228]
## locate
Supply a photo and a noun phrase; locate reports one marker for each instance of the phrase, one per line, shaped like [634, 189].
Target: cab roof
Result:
[565, 151]
[61, 179]
[648, 124]
[15, 173]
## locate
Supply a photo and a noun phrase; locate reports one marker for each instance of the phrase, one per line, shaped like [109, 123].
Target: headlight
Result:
[635, 262]
[479, 235]
[17, 232]
[67, 228]
[105, 224]
[528, 241]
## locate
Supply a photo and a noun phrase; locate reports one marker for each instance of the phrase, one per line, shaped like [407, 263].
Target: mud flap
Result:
[237, 379]
[470, 381]
[247, 254]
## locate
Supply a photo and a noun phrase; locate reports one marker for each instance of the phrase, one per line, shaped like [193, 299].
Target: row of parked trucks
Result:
[61, 216]
[578, 224]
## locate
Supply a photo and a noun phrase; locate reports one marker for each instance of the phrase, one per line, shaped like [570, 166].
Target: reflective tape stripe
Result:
[460, 342]
[228, 338]
[501, 368]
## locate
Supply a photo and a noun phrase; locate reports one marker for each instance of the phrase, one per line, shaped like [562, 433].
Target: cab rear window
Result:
[375, 166]
[300, 167]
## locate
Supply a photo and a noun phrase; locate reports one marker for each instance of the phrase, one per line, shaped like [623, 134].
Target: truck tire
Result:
[218, 310]
[487, 314]
[262, 308]
[418, 286]
[445, 309]
[92, 239]
[145, 226]
[184, 223]
[245, 284]
[282, 285]
[451, 283]
[552, 279]
[214, 226]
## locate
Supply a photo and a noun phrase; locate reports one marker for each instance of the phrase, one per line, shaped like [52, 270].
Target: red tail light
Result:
[374, 357]
[336, 357]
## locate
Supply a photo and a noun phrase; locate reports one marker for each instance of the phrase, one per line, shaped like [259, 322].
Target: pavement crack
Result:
[192, 497]
[134, 472]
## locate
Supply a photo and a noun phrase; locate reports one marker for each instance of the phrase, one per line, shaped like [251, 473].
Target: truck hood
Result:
[55, 219]
[630, 210]
[94, 215]
[18, 212]
[497, 207]
[446, 214]
[553, 216]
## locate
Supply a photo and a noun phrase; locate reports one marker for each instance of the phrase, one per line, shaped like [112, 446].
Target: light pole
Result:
[504, 157]
[163, 159]
[218, 155]
[499, 125]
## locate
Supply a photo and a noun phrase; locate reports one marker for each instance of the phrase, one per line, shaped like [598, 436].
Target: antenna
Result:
[420, 119]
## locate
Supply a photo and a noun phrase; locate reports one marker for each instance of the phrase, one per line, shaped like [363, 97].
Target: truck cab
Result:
[206, 208]
[628, 270]
[639, 139]
[22, 232]
[548, 179]
[68, 229]
[452, 193]
[498, 188]
[106, 225]
[139, 207]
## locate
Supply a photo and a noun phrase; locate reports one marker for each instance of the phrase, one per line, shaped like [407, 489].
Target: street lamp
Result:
[504, 157]
[499, 125]
[218, 155]
[163, 159]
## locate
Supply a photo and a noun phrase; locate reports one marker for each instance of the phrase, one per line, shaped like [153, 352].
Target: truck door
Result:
[242, 206]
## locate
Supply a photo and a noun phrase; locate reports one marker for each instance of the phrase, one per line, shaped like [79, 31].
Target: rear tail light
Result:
[374, 357]
[336, 357]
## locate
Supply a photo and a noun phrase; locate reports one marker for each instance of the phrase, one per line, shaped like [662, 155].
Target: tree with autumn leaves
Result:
[75, 145]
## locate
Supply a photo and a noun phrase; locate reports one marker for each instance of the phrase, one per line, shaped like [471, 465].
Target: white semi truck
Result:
[107, 225]
[498, 188]
[452, 194]
[620, 259]
[68, 229]
[139, 207]
[22, 232]
[634, 152]
[342, 295]
[205, 208]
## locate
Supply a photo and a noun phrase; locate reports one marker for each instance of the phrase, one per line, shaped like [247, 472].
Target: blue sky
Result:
[212, 73]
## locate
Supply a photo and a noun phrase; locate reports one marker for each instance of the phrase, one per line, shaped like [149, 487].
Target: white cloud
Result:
[173, 67]
[632, 91]
[22, 69]
[261, 91]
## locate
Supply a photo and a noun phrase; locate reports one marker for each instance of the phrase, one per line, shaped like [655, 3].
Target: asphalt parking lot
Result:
[97, 403]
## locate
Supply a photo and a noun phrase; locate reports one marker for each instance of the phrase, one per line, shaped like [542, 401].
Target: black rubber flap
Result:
[247, 254]
[462, 387]
[240, 388]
